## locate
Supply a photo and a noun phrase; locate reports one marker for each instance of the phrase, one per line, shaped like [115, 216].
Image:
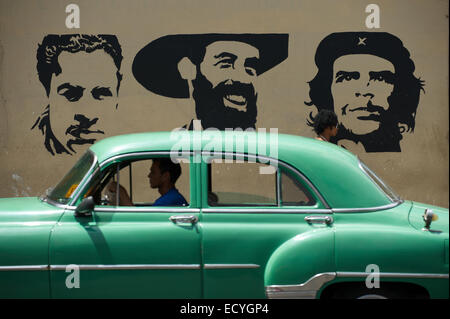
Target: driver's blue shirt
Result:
[171, 198]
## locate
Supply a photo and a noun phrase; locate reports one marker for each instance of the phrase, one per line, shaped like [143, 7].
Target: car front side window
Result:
[65, 189]
[141, 182]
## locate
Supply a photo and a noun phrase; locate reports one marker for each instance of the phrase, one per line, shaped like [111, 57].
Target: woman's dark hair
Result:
[324, 119]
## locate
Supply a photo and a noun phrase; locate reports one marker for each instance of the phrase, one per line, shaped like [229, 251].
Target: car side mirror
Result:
[86, 207]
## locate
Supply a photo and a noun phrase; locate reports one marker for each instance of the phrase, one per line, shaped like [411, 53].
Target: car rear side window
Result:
[294, 193]
[255, 184]
[241, 184]
[389, 192]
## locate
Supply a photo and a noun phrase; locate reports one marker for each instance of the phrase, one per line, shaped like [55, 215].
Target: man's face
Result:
[81, 96]
[155, 177]
[361, 86]
[224, 90]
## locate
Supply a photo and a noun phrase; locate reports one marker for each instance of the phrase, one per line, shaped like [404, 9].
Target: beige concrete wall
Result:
[419, 172]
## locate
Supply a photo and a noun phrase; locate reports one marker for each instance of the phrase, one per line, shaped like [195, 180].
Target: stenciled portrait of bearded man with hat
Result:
[218, 71]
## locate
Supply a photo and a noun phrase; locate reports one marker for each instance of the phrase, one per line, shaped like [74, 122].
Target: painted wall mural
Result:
[75, 99]
[367, 79]
[74, 73]
[216, 70]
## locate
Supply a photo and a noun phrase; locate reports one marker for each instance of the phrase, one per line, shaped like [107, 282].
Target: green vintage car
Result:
[268, 216]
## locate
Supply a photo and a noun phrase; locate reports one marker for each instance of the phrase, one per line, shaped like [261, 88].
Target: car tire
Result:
[362, 292]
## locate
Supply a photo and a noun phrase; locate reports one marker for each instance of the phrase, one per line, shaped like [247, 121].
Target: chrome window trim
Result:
[397, 198]
[278, 187]
[84, 181]
[116, 157]
[145, 153]
[53, 203]
[309, 289]
[367, 209]
[276, 209]
[278, 162]
[230, 266]
[154, 209]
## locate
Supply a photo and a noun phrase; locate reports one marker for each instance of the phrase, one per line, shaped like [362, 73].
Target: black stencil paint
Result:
[68, 96]
[367, 79]
[222, 74]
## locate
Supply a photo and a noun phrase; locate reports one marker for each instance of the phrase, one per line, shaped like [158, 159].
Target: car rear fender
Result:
[301, 258]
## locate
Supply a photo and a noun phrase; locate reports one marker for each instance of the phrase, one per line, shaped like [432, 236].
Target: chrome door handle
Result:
[183, 219]
[319, 219]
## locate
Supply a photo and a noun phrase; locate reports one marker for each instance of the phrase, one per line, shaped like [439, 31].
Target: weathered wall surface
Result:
[393, 116]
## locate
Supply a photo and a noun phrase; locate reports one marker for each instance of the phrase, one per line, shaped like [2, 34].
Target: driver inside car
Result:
[163, 175]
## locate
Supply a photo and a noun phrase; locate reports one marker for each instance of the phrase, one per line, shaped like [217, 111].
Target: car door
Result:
[254, 214]
[139, 251]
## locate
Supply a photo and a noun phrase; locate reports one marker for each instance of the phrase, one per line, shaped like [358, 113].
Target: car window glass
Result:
[143, 194]
[388, 191]
[242, 184]
[65, 188]
[134, 179]
[293, 193]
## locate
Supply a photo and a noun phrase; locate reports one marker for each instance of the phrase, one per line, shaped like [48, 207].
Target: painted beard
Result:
[225, 106]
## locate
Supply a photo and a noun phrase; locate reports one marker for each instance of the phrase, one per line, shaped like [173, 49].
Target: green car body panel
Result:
[229, 252]
[25, 227]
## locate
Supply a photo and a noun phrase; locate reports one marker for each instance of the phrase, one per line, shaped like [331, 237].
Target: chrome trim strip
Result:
[24, 268]
[230, 266]
[183, 153]
[130, 267]
[276, 209]
[156, 209]
[368, 209]
[393, 275]
[278, 187]
[307, 290]
[52, 202]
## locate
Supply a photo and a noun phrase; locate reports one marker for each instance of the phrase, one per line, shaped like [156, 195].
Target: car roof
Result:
[334, 171]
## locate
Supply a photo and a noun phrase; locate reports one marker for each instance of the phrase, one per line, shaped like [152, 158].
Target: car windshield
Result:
[393, 197]
[65, 188]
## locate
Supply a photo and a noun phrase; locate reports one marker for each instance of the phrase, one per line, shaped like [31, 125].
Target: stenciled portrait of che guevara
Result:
[81, 77]
[218, 71]
[367, 79]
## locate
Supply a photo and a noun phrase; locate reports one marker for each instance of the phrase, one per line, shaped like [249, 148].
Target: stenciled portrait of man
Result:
[218, 71]
[367, 79]
[81, 76]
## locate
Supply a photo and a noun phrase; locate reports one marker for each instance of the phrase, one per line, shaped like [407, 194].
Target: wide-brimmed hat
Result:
[156, 65]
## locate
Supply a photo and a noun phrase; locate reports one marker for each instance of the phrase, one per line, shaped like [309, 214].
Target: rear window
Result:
[389, 192]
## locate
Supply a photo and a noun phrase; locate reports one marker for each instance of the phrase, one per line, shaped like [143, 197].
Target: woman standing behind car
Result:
[325, 125]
